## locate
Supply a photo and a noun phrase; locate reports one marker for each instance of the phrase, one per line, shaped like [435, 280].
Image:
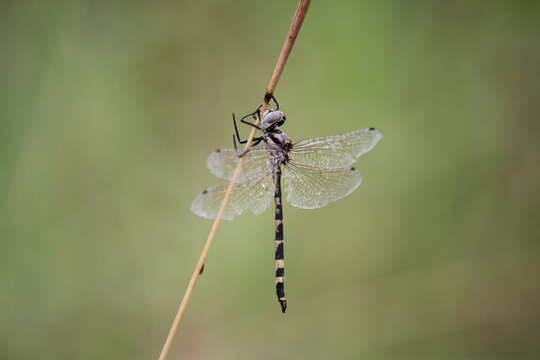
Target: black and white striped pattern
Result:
[280, 264]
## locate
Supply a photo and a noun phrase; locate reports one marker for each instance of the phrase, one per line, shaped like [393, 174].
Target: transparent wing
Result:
[254, 194]
[222, 163]
[311, 188]
[337, 151]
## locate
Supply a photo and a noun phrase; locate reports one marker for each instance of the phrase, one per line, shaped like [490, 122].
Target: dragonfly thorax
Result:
[272, 119]
[278, 146]
[280, 139]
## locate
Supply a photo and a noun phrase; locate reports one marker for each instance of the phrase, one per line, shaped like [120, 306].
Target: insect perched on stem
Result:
[314, 172]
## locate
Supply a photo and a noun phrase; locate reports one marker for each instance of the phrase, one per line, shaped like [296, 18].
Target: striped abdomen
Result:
[280, 265]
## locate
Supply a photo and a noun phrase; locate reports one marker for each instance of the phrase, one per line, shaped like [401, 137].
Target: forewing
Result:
[310, 187]
[337, 151]
[254, 194]
[223, 162]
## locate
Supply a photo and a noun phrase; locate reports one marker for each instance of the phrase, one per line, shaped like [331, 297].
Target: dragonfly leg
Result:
[242, 120]
[255, 142]
[271, 97]
[245, 122]
[234, 143]
[243, 153]
[254, 115]
[236, 128]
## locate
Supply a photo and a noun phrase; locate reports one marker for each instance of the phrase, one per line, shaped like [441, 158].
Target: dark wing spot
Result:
[353, 169]
[218, 150]
[371, 129]
[205, 192]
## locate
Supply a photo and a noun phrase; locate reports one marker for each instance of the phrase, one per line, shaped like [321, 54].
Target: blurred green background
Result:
[108, 111]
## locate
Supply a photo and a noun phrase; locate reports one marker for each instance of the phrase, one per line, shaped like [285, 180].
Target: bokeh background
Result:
[108, 111]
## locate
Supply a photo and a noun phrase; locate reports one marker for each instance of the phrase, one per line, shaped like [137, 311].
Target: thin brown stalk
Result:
[296, 25]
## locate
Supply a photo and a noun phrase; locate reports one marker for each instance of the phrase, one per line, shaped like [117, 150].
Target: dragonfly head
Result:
[273, 119]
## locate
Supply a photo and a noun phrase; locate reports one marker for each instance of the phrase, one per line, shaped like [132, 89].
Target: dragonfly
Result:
[314, 172]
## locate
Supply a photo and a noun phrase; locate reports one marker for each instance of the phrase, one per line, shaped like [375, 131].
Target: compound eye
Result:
[280, 123]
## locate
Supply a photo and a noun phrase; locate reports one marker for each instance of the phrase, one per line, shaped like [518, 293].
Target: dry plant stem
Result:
[283, 56]
[296, 24]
